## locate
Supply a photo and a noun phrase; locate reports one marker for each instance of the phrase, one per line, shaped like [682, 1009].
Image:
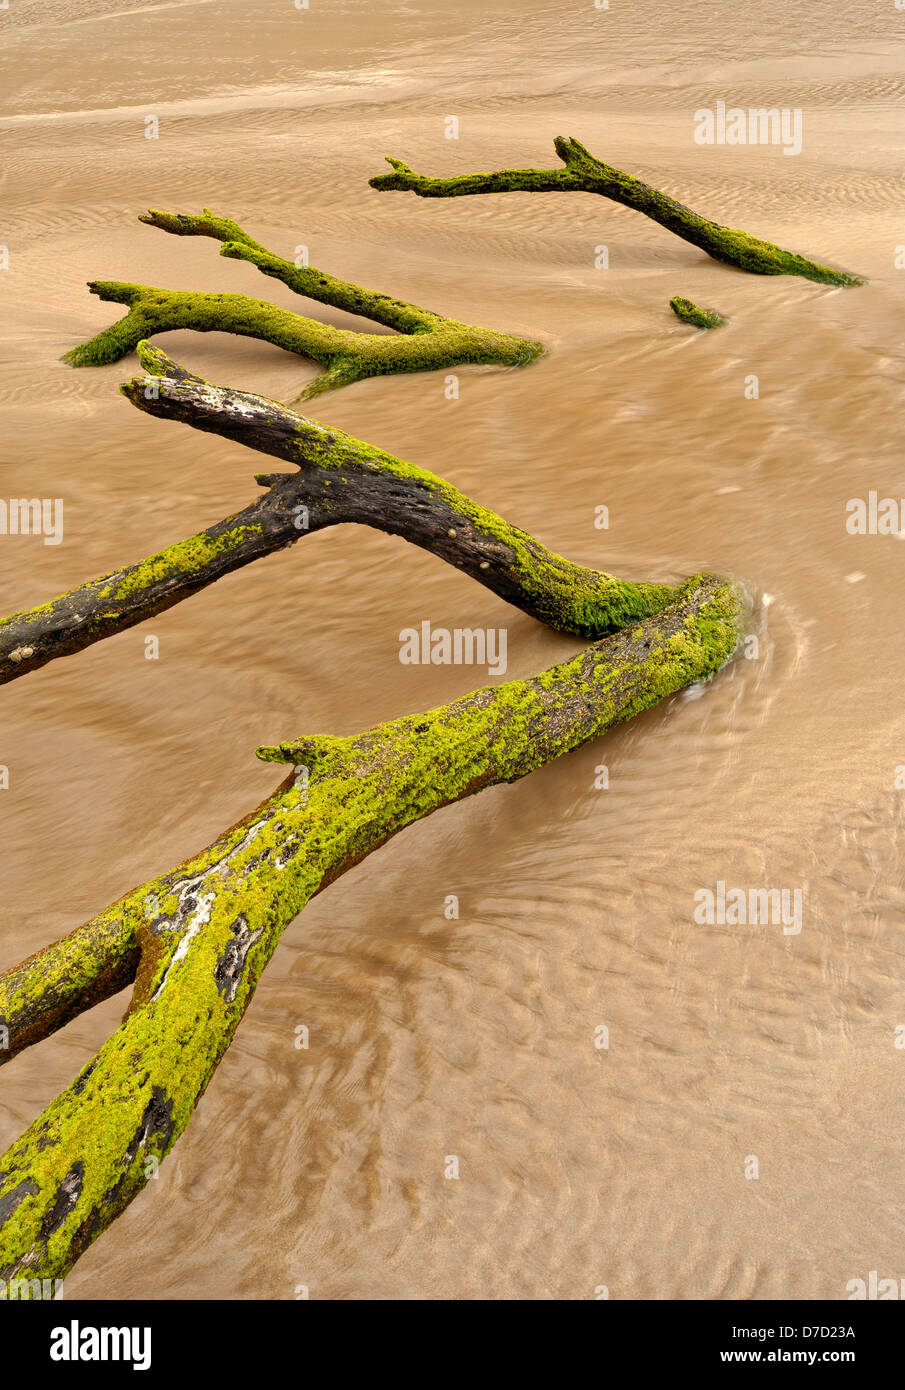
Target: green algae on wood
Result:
[422, 340]
[207, 929]
[689, 312]
[337, 479]
[61, 981]
[101, 607]
[584, 173]
[344, 479]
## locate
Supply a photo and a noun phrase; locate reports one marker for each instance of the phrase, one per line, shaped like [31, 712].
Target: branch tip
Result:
[159, 363]
[307, 751]
[271, 479]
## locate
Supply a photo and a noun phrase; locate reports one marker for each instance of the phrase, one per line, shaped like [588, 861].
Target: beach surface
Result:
[580, 1167]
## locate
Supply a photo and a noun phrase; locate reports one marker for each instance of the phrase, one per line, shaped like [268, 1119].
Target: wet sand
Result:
[475, 1037]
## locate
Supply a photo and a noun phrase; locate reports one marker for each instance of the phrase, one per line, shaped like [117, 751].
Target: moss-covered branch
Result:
[583, 173]
[237, 245]
[693, 314]
[207, 929]
[423, 341]
[63, 980]
[339, 479]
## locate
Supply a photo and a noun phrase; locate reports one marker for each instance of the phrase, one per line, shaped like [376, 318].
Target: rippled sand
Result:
[475, 1037]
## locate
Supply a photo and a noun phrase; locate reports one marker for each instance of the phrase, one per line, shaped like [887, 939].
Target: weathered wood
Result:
[585, 174]
[207, 929]
[340, 479]
[423, 341]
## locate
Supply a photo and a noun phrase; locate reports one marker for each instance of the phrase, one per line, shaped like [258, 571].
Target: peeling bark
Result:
[207, 929]
[584, 173]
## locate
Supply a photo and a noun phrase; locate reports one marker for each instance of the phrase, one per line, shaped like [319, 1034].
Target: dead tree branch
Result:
[585, 174]
[339, 479]
[206, 930]
[422, 341]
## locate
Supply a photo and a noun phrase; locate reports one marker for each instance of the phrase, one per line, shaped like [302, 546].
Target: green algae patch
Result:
[691, 313]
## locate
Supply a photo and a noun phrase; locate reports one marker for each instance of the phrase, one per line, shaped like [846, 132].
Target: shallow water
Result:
[475, 1037]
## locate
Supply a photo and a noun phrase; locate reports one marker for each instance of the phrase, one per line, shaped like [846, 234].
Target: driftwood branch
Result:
[422, 340]
[65, 979]
[583, 173]
[206, 930]
[339, 479]
[693, 314]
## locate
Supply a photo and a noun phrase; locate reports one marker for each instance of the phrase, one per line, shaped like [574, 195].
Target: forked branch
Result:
[583, 173]
[339, 479]
[206, 930]
[422, 340]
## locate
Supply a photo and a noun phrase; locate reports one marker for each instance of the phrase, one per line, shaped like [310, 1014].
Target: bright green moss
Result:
[131, 1103]
[185, 558]
[584, 173]
[424, 341]
[74, 969]
[689, 312]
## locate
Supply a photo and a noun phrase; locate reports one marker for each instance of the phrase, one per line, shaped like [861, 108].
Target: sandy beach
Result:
[579, 1167]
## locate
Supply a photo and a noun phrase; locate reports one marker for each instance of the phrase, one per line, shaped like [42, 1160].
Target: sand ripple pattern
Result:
[473, 1039]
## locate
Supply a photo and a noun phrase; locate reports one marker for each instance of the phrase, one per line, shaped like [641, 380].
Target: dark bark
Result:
[339, 479]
